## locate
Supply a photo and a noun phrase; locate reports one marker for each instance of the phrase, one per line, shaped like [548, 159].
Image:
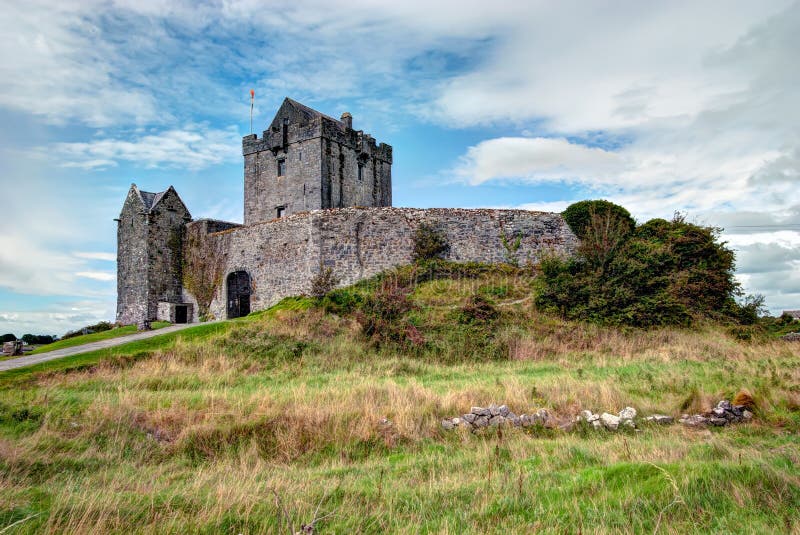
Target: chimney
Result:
[347, 119]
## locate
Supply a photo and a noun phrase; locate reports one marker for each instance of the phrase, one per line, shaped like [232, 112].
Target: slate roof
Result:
[310, 112]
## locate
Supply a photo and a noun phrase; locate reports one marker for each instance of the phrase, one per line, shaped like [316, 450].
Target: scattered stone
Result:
[694, 421]
[481, 421]
[497, 420]
[660, 419]
[496, 415]
[610, 421]
[791, 337]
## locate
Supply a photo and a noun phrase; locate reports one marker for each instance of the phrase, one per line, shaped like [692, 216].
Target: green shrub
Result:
[429, 243]
[323, 282]
[660, 273]
[579, 215]
[89, 329]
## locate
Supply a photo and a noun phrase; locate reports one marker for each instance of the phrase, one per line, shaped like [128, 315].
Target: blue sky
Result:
[662, 107]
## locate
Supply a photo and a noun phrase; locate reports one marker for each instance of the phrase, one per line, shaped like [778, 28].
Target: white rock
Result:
[585, 416]
[447, 424]
[610, 421]
[661, 419]
[456, 421]
[747, 415]
[597, 424]
[628, 413]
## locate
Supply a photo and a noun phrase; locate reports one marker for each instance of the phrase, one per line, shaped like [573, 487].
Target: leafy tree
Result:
[38, 339]
[660, 273]
[429, 243]
[7, 338]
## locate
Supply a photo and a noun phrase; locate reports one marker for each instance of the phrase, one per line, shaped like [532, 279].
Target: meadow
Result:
[300, 413]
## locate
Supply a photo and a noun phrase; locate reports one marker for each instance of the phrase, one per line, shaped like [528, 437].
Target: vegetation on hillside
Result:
[105, 334]
[658, 273]
[330, 408]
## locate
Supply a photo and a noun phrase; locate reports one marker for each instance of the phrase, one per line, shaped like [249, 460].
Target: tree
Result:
[660, 273]
[7, 338]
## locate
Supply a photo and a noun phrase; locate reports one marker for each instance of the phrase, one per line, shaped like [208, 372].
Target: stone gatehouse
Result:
[317, 194]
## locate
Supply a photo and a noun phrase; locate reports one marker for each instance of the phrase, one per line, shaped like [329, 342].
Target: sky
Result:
[663, 107]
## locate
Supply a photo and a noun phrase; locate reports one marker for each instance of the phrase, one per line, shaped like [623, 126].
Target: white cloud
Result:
[192, 148]
[538, 160]
[56, 319]
[97, 275]
[108, 257]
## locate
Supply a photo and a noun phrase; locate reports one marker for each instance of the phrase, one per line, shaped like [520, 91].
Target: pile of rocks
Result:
[791, 337]
[723, 414]
[495, 415]
[609, 421]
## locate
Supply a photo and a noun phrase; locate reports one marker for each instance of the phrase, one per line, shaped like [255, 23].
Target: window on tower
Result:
[280, 211]
[360, 171]
[281, 167]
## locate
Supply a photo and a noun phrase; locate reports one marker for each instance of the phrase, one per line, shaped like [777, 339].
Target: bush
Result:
[660, 273]
[382, 315]
[478, 310]
[38, 339]
[579, 215]
[89, 329]
[323, 282]
[429, 243]
[7, 338]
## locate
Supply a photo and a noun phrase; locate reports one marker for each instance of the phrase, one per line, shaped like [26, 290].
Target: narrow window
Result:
[280, 211]
[281, 167]
[360, 171]
[300, 156]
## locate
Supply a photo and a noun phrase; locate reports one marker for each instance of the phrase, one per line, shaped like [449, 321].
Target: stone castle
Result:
[317, 195]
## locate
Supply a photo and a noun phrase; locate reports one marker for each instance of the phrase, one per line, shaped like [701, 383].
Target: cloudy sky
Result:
[660, 106]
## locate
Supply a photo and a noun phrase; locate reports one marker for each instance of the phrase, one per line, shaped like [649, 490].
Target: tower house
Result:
[149, 253]
[306, 160]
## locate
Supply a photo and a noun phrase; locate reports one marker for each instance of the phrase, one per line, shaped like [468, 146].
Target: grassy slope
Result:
[201, 432]
[93, 337]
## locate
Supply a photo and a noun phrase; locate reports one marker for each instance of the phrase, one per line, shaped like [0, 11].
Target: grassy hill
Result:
[331, 409]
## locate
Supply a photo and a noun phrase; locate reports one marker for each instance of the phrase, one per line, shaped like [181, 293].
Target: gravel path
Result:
[20, 362]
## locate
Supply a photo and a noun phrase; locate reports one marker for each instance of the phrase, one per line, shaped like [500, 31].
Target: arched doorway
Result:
[238, 294]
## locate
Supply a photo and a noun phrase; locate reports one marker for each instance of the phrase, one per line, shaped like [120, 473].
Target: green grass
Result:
[94, 337]
[233, 427]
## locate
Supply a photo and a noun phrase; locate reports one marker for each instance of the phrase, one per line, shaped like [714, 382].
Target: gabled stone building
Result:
[317, 193]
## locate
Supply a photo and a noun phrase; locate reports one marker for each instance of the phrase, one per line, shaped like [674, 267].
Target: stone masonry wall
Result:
[132, 261]
[164, 239]
[283, 256]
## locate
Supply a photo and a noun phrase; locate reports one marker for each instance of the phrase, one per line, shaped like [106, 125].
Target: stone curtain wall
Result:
[283, 256]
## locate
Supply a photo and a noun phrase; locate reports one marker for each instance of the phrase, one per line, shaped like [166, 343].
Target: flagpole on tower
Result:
[252, 99]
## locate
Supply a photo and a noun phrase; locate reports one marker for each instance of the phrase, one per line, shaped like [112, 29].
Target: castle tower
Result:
[149, 241]
[308, 161]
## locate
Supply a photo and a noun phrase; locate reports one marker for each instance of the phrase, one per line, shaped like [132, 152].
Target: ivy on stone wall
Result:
[203, 267]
